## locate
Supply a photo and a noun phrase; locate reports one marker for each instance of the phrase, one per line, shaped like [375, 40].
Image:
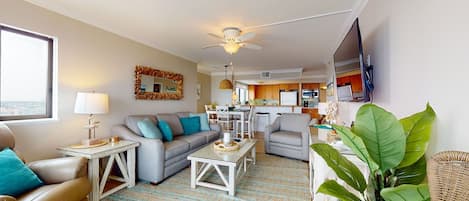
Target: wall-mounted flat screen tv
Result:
[352, 77]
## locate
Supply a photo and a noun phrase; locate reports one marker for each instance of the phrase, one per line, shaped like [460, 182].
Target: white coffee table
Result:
[207, 159]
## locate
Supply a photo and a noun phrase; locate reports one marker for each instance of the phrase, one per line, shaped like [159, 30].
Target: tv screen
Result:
[350, 70]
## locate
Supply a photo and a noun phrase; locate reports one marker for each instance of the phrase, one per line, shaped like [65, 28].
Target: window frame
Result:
[50, 75]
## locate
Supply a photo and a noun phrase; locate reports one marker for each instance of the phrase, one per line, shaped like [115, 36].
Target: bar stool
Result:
[248, 122]
[263, 115]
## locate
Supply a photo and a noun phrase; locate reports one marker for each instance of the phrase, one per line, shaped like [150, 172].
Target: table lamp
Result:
[91, 104]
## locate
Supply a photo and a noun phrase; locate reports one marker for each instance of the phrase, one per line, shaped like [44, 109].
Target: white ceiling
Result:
[181, 26]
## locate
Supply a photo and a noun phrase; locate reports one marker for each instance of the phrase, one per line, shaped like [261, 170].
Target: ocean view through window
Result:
[25, 75]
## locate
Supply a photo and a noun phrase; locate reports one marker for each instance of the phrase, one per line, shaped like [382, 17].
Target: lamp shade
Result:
[226, 84]
[91, 103]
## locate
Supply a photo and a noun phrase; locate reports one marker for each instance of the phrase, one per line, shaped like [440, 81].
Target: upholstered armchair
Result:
[288, 136]
[64, 178]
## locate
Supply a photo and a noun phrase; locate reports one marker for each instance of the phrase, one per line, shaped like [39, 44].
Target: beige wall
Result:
[419, 49]
[205, 91]
[91, 59]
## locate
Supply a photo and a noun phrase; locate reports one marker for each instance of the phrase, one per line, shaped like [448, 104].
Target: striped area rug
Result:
[272, 178]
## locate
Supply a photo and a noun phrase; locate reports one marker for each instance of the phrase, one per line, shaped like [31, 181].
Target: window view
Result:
[25, 75]
[242, 95]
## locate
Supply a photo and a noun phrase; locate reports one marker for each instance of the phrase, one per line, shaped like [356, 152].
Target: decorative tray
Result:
[219, 146]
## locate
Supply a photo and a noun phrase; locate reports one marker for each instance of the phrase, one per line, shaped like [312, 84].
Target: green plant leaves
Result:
[332, 188]
[382, 135]
[413, 174]
[356, 144]
[418, 128]
[344, 169]
[407, 192]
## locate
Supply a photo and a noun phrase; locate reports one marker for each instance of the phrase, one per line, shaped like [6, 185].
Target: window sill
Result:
[30, 121]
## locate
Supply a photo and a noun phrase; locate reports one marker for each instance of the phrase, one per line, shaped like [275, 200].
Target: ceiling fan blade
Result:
[250, 46]
[246, 36]
[216, 36]
[213, 45]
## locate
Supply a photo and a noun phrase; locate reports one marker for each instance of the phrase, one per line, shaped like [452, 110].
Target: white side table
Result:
[115, 152]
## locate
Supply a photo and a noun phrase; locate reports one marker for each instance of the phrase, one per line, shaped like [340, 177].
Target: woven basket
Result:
[448, 176]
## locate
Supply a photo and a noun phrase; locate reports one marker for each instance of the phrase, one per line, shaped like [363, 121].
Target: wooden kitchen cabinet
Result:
[265, 91]
[313, 112]
[252, 92]
[310, 86]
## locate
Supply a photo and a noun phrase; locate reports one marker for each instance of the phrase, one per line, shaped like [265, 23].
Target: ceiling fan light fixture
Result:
[231, 47]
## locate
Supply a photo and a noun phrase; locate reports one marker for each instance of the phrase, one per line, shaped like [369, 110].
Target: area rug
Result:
[272, 178]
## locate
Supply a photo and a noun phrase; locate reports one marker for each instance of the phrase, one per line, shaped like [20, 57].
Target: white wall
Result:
[420, 50]
[91, 59]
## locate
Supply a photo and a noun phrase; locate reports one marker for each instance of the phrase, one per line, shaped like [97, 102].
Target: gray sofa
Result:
[288, 136]
[157, 160]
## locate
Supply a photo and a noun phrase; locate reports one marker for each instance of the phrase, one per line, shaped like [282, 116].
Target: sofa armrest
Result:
[150, 154]
[74, 190]
[269, 129]
[7, 198]
[58, 170]
[215, 127]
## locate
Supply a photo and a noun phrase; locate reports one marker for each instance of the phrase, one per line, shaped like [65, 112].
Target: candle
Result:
[226, 139]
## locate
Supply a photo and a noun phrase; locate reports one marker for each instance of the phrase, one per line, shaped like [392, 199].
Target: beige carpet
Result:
[272, 178]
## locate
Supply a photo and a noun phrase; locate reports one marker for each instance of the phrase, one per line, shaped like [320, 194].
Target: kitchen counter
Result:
[274, 111]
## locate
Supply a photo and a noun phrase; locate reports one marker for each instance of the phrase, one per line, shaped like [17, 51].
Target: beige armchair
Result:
[64, 178]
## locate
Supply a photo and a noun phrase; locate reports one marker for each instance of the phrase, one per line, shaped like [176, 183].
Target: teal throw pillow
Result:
[15, 177]
[190, 124]
[149, 129]
[203, 121]
[165, 130]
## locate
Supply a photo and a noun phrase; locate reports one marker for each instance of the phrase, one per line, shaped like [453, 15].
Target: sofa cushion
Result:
[203, 121]
[294, 122]
[15, 177]
[173, 121]
[190, 125]
[165, 130]
[175, 148]
[210, 135]
[131, 122]
[149, 129]
[286, 137]
[194, 141]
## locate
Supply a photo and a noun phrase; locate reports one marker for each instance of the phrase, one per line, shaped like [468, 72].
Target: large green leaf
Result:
[356, 144]
[343, 168]
[413, 174]
[407, 192]
[332, 188]
[418, 128]
[382, 134]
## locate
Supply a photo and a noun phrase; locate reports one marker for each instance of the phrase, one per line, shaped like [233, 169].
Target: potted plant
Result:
[393, 150]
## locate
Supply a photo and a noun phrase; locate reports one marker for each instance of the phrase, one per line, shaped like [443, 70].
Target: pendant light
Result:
[226, 83]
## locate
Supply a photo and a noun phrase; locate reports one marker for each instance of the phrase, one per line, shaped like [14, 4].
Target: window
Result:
[241, 95]
[25, 75]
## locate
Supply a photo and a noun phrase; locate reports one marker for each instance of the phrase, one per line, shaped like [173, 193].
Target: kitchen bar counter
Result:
[274, 111]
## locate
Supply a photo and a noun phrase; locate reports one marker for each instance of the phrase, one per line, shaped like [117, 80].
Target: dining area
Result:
[235, 120]
[243, 121]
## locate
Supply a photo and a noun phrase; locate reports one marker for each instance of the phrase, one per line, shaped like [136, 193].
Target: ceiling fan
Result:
[232, 40]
